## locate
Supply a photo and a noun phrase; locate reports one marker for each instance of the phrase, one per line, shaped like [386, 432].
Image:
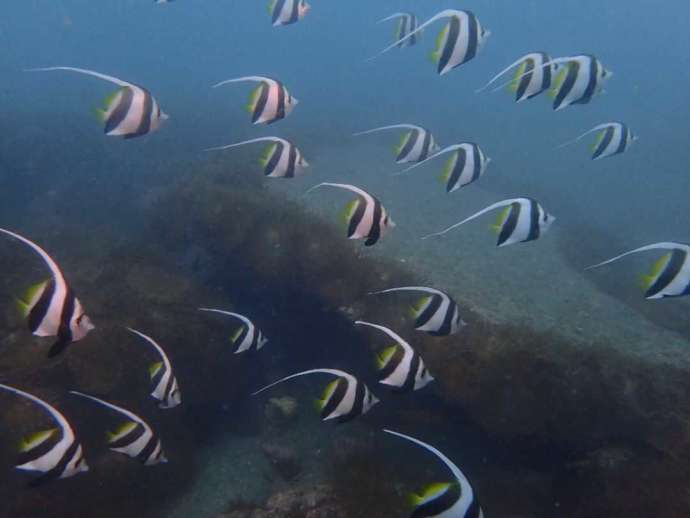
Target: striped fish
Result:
[166, 389]
[286, 12]
[436, 313]
[129, 112]
[163, 1]
[670, 275]
[247, 336]
[578, 81]
[365, 216]
[531, 76]
[455, 499]
[134, 437]
[43, 452]
[466, 165]
[51, 307]
[269, 102]
[344, 398]
[415, 145]
[407, 23]
[613, 138]
[459, 41]
[282, 159]
[521, 220]
[399, 365]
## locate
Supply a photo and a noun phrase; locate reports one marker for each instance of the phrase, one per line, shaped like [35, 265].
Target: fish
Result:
[521, 220]
[246, 337]
[399, 365]
[466, 165]
[44, 452]
[365, 216]
[269, 102]
[163, 1]
[129, 112]
[436, 313]
[415, 145]
[613, 138]
[166, 389]
[670, 275]
[459, 41]
[454, 499]
[282, 159]
[531, 78]
[344, 399]
[287, 12]
[577, 81]
[134, 437]
[51, 307]
[407, 23]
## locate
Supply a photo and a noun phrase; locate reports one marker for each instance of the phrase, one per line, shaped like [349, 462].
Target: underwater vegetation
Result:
[593, 430]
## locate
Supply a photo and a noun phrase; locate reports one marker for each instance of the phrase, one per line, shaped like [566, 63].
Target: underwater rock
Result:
[312, 502]
[280, 410]
[284, 460]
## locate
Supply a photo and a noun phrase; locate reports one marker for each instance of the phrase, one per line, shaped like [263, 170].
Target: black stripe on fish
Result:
[510, 224]
[441, 503]
[261, 102]
[147, 451]
[357, 216]
[534, 228]
[59, 468]
[472, 37]
[429, 312]
[426, 146]
[605, 142]
[280, 111]
[292, 162]
[669, 273]
[167, 393]
[64, 333]
[241, 337]
[155, 380]
[526, 79]
[591, 83]
[146, 116]
[119, 113]
[277, 9]
[568, 84]
[447, 325]
[358, 405]
[130, 437]
[40, 310]
[38, 452]
[337, 396]
[546, 72]
[392, 363]
[410, 375]
[375, 231]
[409, 144]
[460, 163]
[451, 42]
[275, 158]
[625, 137]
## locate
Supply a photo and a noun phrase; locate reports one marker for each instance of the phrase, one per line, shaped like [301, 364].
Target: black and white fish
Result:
[532, 76]
[670, 275]
[415, 145]
[613, 138]
[134, 437]
[436, 313]
[459, 41]
[399, 365]
[163, 1]
[129, 112]
[269, 102]
[577, 81]
[451, 499]
[282, 159]
[247, 336]
[44, 452]
[407, 23]
[51, 307]
[466, 165]
[166, 389]
[286, 12]
[344, 398]
[521, 220]
[365, 216]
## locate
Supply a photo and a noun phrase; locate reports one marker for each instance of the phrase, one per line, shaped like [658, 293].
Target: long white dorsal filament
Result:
[87, 72]
[595, 128]
[392, 126]
[251, 141]
[503, 72]
[255, 79]
[474, 216]
[335, 372]
[445, 150]
[655, 246]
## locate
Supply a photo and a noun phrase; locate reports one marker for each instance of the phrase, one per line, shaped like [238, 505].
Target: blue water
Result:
[60, 174]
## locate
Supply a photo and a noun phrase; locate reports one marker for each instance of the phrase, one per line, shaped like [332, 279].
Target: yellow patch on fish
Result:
[440, 43]
[36, 439]
[600, 137]
[513, 85]
[558, 80]
[429, 493]
[383, 357]
[501, 219]
[254, 98]
[657, 269]
[267, 154]
[420, 306]
[121, 431]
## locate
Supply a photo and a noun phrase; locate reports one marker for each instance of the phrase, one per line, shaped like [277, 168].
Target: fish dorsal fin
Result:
[448, 168]
[515, 82]
[33, 293]
[254, 98]
[155, 368]
[328, 393]
[350, 210]
[597, 140]
[421, 304]
[515, 63]
[384, 356]
[267, 154]
[35, 439]
[657, 268]
[501, 219]
[429, 493]
[404, 139]
[122, 430]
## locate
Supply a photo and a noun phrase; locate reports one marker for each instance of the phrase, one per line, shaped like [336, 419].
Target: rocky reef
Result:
[545, 427]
